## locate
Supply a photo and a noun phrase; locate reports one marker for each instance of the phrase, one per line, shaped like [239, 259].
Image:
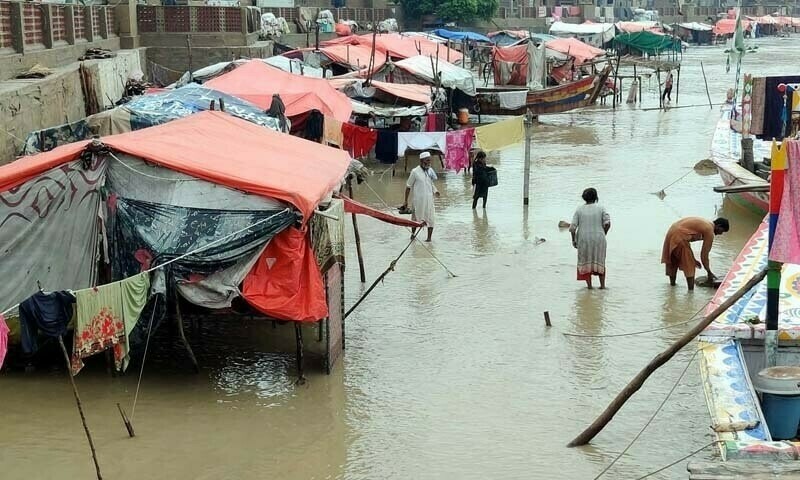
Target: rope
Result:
[198, 250]
[144, 356]
[152, 176]
[680, 459]
[641, 332]
[652, 417]
[390, 268]
[414, 236]
[662, 193]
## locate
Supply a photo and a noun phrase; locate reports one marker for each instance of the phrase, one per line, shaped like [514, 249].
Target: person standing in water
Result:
[589, 228]
[677, 252]
[480, 178]
[422, 190]
[667, 89]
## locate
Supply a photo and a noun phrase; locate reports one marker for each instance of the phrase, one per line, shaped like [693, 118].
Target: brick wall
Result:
[80, 22]
[33, 24]
[59, 23]
[6, 40]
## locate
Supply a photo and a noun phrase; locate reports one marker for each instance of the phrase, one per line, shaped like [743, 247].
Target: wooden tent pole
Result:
[705, 80]
[298, 333]
[179, 321]
[587, 435]
[80, 407]
[361, 271]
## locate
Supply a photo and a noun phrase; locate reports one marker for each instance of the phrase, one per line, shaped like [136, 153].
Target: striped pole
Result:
[778, 164]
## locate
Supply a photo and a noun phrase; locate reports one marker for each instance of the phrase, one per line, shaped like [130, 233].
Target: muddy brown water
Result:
[444, 377]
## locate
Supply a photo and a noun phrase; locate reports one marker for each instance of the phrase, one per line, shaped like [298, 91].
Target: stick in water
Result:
[80, 407]
[587, 435]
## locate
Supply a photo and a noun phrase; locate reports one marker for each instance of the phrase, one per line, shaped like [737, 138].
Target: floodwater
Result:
[445, 377]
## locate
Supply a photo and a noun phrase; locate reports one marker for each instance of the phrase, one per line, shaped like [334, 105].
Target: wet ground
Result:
[446, 377]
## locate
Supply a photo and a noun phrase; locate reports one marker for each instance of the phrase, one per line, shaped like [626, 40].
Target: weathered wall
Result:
[30, 105]
[177, 58]
[14, 64]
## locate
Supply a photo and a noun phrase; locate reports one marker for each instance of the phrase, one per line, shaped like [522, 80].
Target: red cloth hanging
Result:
[358, 140]
[286, 282]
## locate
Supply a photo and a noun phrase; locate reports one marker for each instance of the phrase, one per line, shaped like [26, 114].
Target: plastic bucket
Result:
[463, 116]
[782, 413]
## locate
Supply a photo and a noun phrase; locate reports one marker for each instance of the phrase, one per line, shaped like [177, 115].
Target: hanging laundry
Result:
[774, 110]
[105, 316]
[3, 339]
[386, 146]
[786, 242]
[421, 141]
[314, 126]
[500, 134]
[757, 105]
[459, 143]
[45, 313]
[436, 122]
[512, 100]
[332, 132]
[358, 140]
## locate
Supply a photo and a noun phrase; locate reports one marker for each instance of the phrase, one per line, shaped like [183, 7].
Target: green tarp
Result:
[647, 42]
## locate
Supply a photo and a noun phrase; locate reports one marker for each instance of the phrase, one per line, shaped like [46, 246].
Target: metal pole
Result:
[527, 185]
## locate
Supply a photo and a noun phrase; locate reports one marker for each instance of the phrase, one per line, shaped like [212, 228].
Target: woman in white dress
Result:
[589, 228]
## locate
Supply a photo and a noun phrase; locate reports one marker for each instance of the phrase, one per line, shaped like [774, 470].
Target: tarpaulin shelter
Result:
[647, 42]
[348, 56]
[256, 82]
[427, 71]
[200, 192]
[399, 46]
[595, 34]
[572, 47]
[727, 26]
[643, 26]
[392, 93]
[461, 36]
[694, 32]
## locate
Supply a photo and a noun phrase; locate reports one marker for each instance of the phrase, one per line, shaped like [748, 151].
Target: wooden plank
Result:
[749, 470]
[748, 187]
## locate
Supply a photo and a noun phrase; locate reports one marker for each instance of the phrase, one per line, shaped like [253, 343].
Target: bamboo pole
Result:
[358, 237]
[706, 82]
[660, 95]
[80, 407]
[179, 321]
[587, 435]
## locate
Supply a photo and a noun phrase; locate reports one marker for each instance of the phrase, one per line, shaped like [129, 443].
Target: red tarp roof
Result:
[351, 206]
[400, 46]
[357, 56]
[727, 26]
[219, 148]
[575, 48]
[256, 82]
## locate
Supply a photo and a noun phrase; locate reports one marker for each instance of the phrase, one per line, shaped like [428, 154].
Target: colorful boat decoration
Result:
[726, 153]
[562, 98]
[731, 351]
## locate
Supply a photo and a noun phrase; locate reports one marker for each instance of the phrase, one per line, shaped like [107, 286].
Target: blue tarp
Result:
[158, 108]
[459, 36]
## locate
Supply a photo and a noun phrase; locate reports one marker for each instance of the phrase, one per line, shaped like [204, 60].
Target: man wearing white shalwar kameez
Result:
[422, 190]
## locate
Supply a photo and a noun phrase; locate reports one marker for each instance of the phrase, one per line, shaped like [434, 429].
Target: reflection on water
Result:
[444, 377]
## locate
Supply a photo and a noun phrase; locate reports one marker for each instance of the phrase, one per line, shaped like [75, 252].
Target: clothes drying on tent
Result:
[459, 143]
[45, 313]
[3, 339]
[105, 316]
[436, 122]
[358, 140]
[314, 126]
[421, 141]
[332, 132]
[327, 236]
[386, 146]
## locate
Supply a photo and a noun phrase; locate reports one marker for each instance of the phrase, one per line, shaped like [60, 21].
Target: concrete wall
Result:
[30, 105]
[177, 58]
[14, 64]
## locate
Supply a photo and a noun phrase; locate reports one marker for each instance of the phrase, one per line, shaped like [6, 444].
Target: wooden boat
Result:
[726, 152]
[731, 353]
[562, 98]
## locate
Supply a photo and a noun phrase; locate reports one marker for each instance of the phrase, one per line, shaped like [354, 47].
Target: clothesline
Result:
[195, 251]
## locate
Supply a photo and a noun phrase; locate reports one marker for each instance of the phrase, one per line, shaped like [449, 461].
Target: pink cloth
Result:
[3, 339]
[786, 243]
[458, 142]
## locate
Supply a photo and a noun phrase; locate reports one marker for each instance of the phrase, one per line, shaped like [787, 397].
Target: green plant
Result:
[450, 10]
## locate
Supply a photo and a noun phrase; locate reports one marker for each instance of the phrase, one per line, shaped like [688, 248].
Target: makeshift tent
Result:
[522, 65]
[256, 82]
[461, 36]
[149, 110]
[694, 32]
[450, 75]
[647, 42]
[398, 46]
[573, 47]
[296, 67]
[405, 93]
[644, 26]
[355, 57]
[727, 26]
[595, 34]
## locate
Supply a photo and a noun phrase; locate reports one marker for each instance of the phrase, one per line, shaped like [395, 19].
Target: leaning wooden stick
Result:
[80, 407]
[587, 435]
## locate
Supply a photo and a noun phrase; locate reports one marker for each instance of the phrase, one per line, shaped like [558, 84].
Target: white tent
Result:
[451, 75]
[595, 34]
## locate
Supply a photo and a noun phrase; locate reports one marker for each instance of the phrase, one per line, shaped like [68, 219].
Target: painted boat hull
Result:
[559, 99]
[725, 153]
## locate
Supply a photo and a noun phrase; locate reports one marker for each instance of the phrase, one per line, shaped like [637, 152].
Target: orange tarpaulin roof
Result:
[256, 82]
[219, 148]
[356, 56]
[575, 48]
[400, 46]
[409, 91]
[727, 26]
